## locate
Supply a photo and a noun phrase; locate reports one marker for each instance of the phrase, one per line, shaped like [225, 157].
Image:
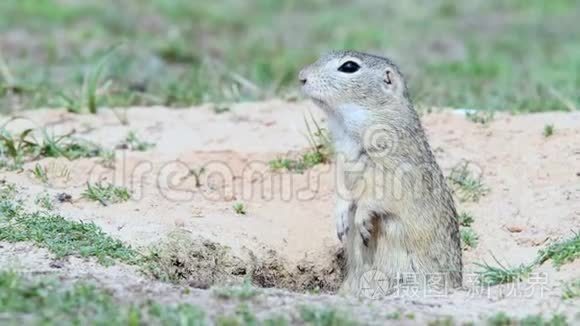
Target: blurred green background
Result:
[519, 55]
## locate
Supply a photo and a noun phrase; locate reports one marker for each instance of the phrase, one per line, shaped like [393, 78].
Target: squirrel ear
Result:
[389, 76]
[392, 80]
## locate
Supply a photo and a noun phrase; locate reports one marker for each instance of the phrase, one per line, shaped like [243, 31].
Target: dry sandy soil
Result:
[286, 241]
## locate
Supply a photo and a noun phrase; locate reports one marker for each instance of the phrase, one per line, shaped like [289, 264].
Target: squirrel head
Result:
[351, 78]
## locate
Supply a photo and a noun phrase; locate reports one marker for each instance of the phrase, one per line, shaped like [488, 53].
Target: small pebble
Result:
[515, 228]
[56, 264]
[63, 197]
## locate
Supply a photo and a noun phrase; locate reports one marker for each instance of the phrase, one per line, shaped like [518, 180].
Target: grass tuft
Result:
[465, 184]
[44, 201]
[40, 173]
[134, 143]
[481, 117]
[571, 290]
[24, 147]
[108, 158]
[65, 146]
[239, 208]
[561, 252]
[325, 317]
[106, 194]
[242, 316]
[47, 301]
[548, 130]
[242, 292]
[500, 319]
[59, 235]
[465, 219]
[477, 65]
[65, 238]
[13, 149]
[469, 238]
[503, 319]
[320, 150]
[500, 274]
[88, 98]
[443, 321]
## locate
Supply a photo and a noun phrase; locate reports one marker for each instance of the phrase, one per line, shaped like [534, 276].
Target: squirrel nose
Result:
[302, 77]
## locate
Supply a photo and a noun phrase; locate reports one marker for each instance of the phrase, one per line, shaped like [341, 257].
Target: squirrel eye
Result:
[349, 67]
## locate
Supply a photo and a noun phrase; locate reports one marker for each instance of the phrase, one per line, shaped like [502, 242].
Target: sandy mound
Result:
[287, 237]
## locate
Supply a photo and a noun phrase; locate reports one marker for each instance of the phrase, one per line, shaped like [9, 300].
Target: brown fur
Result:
[395, 213]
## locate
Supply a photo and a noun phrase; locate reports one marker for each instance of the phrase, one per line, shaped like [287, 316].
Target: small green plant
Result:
[275, 320]
[242, 292]
[135, 144]
[532, 320]
[288, 164]
[40, 173]
[44, 201]
[14, 148]
[482, 117]
[43, 300]
[25, 147]
[45, 173]
[467, 186]
[181, 314]
[500, 319]
[243, 316]
[219, 109]
[500, 274]
[66, 238]
[108, 158]
[395, 315]
[92, 89]
[60, 236]
[571, 290]
[174, 51]
[324, 316]
[548, 130]
[319, 140]
[239, 209]
[282, 163]
[558, 320]
[7, 191]
[106, 193]
[535, 320]
[469, 238]
[561, 252]
[443, 321]
[65, 146]
[320, 150]
[465, 219]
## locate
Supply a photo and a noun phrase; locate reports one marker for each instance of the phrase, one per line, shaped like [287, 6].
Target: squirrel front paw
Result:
[344, 212]
[342, 225]
[363, 224]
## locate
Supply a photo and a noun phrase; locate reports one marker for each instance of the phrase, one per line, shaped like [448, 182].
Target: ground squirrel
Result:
[394, 211]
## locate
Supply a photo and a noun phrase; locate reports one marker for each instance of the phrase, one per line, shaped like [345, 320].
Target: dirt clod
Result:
[515, 228]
